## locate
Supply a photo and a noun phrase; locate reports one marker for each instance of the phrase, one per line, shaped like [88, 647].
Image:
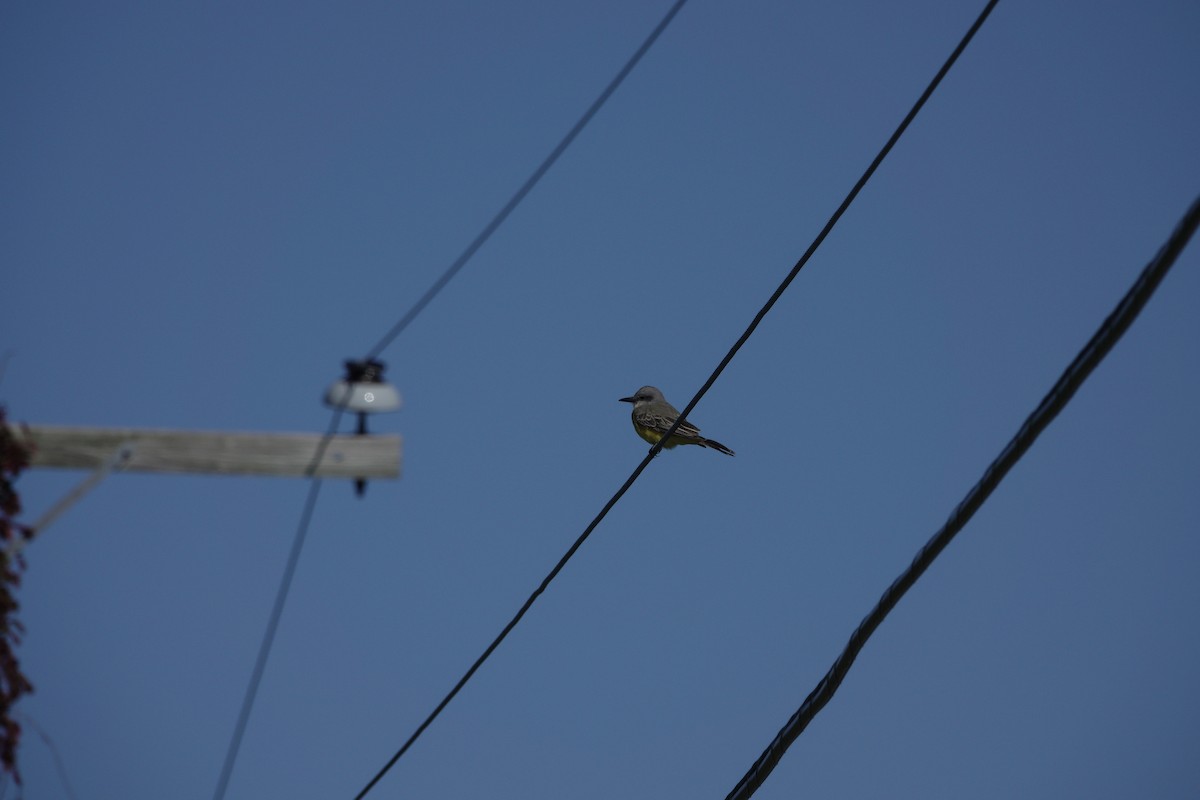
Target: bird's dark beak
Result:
[627, 400]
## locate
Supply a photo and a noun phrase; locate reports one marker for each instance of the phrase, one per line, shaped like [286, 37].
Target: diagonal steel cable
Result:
[512, 623]
[1109, 333]
[526, 187]
[314, 489]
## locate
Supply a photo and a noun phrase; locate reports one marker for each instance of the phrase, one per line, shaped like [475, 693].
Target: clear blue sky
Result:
[206, 207]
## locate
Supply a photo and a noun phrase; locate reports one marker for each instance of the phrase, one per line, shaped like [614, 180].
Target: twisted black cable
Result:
[1064, 389]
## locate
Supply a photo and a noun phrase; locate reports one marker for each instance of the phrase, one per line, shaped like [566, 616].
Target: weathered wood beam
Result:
[224, 453]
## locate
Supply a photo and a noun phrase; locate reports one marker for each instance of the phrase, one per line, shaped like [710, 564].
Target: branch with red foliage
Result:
[14, 457]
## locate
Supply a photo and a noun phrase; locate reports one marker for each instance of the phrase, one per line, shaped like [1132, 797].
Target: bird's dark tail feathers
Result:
[716, 446]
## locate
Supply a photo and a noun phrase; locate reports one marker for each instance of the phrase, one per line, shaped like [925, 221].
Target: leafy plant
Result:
[14, 457]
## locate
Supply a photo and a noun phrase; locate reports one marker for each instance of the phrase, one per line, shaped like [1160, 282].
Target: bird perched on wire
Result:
[653, 416]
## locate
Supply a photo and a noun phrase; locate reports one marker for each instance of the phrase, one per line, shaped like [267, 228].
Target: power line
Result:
[314, 489]
[281, 594]
[1109, 333]
[512, 623]
[59, 766]
[526, 187]
[837, 215]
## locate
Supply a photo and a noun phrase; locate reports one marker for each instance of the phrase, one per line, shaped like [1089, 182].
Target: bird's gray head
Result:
[644, 395]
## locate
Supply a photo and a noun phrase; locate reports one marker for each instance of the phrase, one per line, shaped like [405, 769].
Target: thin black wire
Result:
[59, 765]
[511, 624]
[285, 584]
[526, 187]
[388, 338]
[658, 446]
[837, 215]
[1064, 389]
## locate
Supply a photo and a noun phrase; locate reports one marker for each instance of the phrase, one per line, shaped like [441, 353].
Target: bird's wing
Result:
[661, 422]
